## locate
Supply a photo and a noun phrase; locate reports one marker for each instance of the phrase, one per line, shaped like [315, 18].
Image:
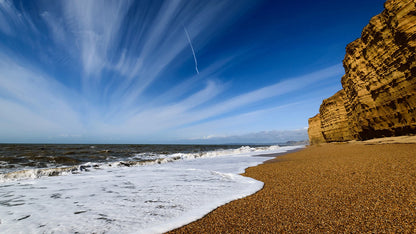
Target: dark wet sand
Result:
[325, 188]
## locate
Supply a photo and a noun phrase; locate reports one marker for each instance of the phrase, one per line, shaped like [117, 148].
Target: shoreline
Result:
[274, 155]
[337, 187]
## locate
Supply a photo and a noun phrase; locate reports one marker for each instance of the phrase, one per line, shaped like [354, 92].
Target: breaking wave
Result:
[139, 159]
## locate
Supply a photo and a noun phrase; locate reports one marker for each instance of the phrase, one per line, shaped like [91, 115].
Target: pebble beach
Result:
[337, 187]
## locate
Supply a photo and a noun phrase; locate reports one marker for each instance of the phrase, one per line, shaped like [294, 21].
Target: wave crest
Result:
[141, 159]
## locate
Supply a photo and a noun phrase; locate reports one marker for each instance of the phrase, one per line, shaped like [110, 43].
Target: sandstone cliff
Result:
[334, 122]
[314, 130]
[379, 86]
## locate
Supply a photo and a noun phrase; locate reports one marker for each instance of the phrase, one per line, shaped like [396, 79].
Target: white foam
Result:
[151, 159]
[142, 199]
[36, 173]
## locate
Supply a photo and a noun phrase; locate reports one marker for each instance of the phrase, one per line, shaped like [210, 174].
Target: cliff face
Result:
[334, 122]
[314, 130]
[379, 86]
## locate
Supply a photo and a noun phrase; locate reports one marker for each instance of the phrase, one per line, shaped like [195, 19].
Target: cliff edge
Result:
[378, 98]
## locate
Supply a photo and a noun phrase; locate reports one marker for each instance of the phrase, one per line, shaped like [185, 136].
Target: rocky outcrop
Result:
[334, 122]
[379, 86]
[314, 130]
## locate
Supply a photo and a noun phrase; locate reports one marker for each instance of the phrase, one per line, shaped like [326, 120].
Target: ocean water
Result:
[120, 188]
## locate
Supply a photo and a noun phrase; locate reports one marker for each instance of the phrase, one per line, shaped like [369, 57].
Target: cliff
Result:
[378, 98]
[314, 130]
[334, 122]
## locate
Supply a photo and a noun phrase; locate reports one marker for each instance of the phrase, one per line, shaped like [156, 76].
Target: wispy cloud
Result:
[121, 68]
[263, 137]
[35, 102]
[101, 35]
[11, 19]
[288, 85]
[251, 121]
[182, 115]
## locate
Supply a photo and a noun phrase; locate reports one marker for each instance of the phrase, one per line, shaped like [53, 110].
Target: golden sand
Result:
[352, 187]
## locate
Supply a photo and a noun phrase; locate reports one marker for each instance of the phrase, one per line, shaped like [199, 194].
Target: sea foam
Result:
[135, 160]
[130, 199]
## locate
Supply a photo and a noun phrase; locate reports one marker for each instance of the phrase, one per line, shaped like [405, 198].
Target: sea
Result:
[121, 188]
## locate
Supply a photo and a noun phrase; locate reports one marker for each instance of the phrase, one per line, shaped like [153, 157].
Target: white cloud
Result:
[12, 20]
[116, 61]
[269, 118]
[263, 137]
[56, 28]
[101, 37]
[174, 118]
[34, 100]
[277, 89]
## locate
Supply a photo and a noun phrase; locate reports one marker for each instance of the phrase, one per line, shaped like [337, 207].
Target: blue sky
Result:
[87, 71]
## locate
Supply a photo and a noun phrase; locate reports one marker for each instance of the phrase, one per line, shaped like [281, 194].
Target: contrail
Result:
[192, 48]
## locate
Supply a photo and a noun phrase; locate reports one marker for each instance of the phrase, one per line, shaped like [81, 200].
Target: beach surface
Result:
[339, 187]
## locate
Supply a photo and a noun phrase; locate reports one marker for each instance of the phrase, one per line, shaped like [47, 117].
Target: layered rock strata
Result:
[314, 130]
[334, 122]
[378, 98]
